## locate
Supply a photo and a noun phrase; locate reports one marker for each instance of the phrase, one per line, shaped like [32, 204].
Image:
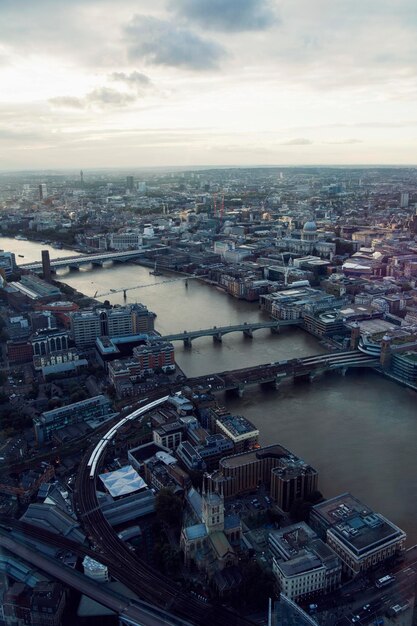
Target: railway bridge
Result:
[279, 371]
[75, 262]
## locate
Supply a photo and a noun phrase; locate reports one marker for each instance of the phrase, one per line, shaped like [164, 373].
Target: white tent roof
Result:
[122, 481]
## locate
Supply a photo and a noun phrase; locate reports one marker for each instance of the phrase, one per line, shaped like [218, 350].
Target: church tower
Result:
[212, 510]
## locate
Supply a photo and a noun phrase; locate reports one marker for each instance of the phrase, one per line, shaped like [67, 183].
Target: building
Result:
[241, 432]
[41, 288]
[209, 542]
[95, 570]
[19, 352]
[126, 241]
[17, 604]
[7, 263]
[155, 355]
[96, 409]
[44, 605]
[169, 435]
[54, 519]
[360, 537]
[302, 563]
[205, 455]
[43, 191]
[120, 321]
[309, 242]
[46, 266]
[285, 611]
[49, 341]
[288, 477]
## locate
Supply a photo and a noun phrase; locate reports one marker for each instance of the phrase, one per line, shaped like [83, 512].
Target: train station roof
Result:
[122, 481]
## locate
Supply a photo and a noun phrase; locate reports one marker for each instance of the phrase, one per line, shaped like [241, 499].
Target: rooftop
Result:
[122, 481]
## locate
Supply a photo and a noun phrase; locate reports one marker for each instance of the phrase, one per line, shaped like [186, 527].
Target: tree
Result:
[257, 586]
[168, 508]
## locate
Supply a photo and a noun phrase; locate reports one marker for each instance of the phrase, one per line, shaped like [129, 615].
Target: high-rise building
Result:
[404, 199]
[130, 183]
[43, 191]
[46, 265]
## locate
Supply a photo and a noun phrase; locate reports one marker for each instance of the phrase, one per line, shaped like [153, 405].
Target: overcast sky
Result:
[131, 83]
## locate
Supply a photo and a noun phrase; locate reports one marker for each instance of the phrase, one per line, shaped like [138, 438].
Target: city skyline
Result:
[248, 82]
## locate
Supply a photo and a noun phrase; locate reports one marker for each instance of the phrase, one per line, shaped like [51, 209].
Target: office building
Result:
[96, 409]
[95, 570]
[288, 477]
[360, 537]
[130, 183]
[241, 432]
[155, 355]
[120, 321]
[169, 435]
[43, 191]
[126, 241]
[302, 563]
[7, 263]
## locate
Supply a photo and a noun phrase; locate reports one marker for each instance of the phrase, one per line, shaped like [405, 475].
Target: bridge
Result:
[75, 262]
[275, 373]
[217, 332]
[135, 612]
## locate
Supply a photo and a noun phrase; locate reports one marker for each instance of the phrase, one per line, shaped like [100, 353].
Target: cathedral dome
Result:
[310, 227]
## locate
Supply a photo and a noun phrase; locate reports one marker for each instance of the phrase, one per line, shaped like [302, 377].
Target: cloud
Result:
[301, 141]
[67, 102]
[101, 97]
[134, 79]
[161, 42]
[345, 142]
[227, 15]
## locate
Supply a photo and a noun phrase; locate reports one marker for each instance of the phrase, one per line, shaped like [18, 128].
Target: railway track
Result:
[149, 584]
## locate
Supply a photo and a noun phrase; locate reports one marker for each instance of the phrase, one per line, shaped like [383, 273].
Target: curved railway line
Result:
[149, 584]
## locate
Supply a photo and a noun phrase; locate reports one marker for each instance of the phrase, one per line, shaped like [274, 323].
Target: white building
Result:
[95, 570]
[126, 241]
[302, 563]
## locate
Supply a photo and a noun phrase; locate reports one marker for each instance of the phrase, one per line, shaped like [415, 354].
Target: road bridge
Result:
[275, 373]
[217, 332]
[99, 258]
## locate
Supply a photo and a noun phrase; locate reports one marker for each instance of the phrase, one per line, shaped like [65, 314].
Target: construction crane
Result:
[161, 282]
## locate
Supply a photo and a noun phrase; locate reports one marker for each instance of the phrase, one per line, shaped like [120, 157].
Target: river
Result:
[358, 431]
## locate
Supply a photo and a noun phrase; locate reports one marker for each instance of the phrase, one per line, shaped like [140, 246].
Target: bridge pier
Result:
[315, 374]
[187, 342]
[218, 338]
[342, 370]
[248, 333]
[240, 390]
[275, 330]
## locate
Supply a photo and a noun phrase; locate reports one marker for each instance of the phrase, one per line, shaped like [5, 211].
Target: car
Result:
[366, 607]
[356, 618]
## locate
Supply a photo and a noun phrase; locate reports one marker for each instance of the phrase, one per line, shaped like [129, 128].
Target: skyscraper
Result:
[43, 191]
[130, 183]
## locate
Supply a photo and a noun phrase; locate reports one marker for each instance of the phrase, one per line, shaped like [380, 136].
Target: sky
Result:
[147, 83]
